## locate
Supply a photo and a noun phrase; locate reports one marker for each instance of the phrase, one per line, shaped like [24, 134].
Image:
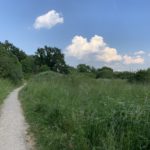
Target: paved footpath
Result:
[13, 127]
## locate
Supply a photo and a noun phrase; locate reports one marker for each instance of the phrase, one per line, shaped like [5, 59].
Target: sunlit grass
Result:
[77, 112]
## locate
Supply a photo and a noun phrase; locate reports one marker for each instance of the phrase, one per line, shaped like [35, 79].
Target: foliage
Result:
[49, 58]
[43, 68]
[141, 76]
[124, 75]
[28, 65]
[53, 58]
[76, 112]
[83, 68]
[9, 65]
[104, 72]
[14, 50]
[72, 69]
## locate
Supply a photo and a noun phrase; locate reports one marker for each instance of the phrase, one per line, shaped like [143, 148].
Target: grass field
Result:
[77, 112]
[5, 87]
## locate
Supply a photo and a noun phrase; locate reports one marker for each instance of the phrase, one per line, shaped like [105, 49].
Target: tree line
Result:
[140, 76]
[15, 64]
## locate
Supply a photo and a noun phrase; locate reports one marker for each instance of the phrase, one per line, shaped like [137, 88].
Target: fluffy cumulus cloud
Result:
[95, 48]
[81, 47]
[133, 60]
[109, 55]
[48, 20]
[139, 52]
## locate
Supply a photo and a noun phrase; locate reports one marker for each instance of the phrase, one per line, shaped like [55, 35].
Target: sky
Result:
[113, 33]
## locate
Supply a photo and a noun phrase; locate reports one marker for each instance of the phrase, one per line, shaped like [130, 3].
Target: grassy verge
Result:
[5, 87]
[81, 113]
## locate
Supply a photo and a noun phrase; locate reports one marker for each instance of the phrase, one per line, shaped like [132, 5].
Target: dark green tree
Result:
[16, 51]
[124, 75]
[105, 72]
[28, 65]
[53, 58]
[10, 67]
[141, 76]
[83, 68]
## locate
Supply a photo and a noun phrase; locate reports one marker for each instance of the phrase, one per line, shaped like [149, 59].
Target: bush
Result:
[105, 72]
[83, 68]
[141, 76]
[124, 75]
[44, 68]
[28, 65]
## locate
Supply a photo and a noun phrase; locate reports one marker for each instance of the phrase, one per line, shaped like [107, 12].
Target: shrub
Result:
[83, 68]
[105, 72]
[124, 75]
[141, 76]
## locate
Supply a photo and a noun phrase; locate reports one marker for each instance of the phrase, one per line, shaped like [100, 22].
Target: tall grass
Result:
[81, 113]
[5, 87]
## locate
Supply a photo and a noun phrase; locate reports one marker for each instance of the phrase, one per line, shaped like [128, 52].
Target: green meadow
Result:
[78, 112]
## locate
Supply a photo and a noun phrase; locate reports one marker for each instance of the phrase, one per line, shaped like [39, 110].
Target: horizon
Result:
[111, 33]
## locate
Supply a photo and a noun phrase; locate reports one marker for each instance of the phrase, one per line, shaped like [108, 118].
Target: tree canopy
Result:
[15, 63]
[52, 57]
[9, 65]
[16, 51]
[104, 72]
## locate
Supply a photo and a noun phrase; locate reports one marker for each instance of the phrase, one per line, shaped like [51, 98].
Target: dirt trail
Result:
[13, 128]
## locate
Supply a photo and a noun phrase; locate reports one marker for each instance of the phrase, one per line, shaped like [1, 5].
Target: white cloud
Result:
[133, 60]
[96, 51]
[81, 48]
[48, 20]
[109, 55]
[139, 52]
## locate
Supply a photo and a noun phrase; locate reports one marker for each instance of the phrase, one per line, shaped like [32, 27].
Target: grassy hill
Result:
[77, 112]
[5, 87]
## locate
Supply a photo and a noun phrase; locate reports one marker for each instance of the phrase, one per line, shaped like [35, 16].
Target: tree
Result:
[16, 51]
[124, 75]
[141, 76]
[28, 65]
[53, 58]
[9, 65]
[83, 68]
[105, 72]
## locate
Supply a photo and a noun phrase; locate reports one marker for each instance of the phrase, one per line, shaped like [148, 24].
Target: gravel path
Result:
[13, 128]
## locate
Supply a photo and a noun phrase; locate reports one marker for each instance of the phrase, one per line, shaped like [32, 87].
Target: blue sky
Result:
[115, 33]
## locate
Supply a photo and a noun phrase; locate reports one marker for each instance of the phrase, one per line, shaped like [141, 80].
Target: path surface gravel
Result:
[13, 128]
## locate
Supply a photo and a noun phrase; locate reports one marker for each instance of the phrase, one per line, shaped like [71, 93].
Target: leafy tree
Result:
[93, 70]
[16, 51]
[124, 75]
[9, 65]
[104, 72]
[53, 58]
[28, 65]
[83, 68]
[141, 76]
